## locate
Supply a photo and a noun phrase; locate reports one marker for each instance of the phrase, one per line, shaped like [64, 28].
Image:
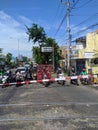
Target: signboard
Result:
[80, 46]
[47, 49]
[88, 54]
[74, 53]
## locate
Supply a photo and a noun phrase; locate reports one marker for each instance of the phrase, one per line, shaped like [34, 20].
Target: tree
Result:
[2, 57]
[38, 56]
[25, 59]
[57, 52]
[8, 58]
[36, 34]
[47, 57]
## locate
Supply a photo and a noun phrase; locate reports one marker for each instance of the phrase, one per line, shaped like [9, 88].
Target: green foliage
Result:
[8, 58]
[47, 57]
[36, 34]
[25, 59]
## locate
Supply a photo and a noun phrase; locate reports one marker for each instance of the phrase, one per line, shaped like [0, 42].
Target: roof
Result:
[81, 39]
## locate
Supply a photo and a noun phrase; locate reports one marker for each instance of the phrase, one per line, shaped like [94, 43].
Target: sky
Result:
[15, 15]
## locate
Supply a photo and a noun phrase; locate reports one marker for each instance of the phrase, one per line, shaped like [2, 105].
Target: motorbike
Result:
[74, 81]
[19, 78]
[45, 83]
[34, 73]
[84, 81]
[61, 77]
[4, 79]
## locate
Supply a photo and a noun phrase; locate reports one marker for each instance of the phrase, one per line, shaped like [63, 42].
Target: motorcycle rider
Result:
[72, 70]
[60, 74]
[10, 76]
[59, 71]
[84, 80]
[83, 71]
[73, 73]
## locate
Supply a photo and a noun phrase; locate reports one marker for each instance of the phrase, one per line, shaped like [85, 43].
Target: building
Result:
[87, 53]
[63, 62]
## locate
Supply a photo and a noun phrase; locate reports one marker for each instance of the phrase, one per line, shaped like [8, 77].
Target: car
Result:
[27, 66]
[21, 69]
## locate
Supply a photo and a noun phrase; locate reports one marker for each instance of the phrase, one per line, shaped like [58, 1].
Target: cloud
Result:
[25, 20]
[6, 19]
[13, 35]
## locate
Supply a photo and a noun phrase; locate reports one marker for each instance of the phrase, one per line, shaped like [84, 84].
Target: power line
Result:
[55, 16]
[70, 8]
[60, 24]
[89, 27]
[84, 4]
[93, 25]
[85, 20]
[80, 31]
[75, 3]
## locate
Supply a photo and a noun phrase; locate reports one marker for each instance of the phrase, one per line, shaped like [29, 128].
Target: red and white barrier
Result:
[48, 80]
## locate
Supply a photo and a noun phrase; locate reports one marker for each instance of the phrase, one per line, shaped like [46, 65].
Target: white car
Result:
[27, 66]
[21, 69]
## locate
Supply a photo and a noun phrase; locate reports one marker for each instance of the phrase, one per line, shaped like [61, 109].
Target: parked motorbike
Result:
[19, 78]
[45, 83]
[74, 81]
[4, 79]
[61, 77]
[28, 75]
[34, 73]
[84, 81]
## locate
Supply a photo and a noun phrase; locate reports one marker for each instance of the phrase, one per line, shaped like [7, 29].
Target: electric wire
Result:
[93, 25]
[55, 17]
[60, 24]
[85, 29]
[79, 23]
[85, 20]
[65, 18]
[75, 3]
[85, 4]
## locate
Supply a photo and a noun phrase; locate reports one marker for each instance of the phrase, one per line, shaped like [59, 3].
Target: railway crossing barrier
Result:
[66, 78]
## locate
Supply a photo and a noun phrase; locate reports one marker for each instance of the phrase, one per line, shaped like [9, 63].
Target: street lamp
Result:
[18, 50]
[17, 47]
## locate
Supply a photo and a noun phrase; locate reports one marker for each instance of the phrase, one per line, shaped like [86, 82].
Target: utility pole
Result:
[18, 50]
[53, 57]
[68, 8]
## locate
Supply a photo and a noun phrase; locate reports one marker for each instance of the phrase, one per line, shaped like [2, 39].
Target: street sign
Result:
[88, 54]
[47, 49]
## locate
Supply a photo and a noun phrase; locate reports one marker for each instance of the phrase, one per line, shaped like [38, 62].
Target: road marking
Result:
[50, 103]
[49, 118]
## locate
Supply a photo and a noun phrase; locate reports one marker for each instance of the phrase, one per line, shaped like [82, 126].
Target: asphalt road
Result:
[56, 107]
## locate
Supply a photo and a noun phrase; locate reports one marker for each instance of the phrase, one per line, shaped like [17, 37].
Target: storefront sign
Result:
[88, 54]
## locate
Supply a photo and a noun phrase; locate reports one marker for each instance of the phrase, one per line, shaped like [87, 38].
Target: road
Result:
[35, 107]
